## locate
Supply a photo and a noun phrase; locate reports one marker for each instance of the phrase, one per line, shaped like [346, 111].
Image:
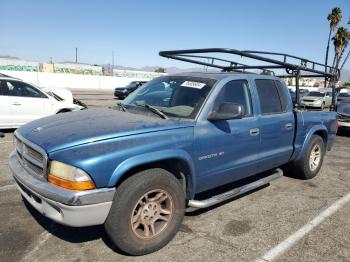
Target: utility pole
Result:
[76, 55]
[112, 63]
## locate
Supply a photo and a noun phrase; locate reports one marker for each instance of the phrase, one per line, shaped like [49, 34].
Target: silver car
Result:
[317, 99]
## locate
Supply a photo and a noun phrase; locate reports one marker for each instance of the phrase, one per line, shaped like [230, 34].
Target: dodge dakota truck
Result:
[135, 168]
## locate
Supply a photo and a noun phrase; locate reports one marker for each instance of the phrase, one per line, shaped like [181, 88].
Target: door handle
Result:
[289, 126]
[254, 132]
[16, 103]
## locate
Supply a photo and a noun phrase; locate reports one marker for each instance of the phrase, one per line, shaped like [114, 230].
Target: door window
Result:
[282, 95]
[236, 91]
[2, 89]
[270, 101]
[14, 88]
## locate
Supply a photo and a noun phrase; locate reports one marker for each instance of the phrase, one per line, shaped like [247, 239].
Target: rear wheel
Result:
[147, 212]
[310, 164]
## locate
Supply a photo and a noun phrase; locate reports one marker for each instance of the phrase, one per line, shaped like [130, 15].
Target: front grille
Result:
[307, 100]
[32, 157]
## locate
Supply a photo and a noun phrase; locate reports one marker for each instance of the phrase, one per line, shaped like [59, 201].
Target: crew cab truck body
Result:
[136, 167]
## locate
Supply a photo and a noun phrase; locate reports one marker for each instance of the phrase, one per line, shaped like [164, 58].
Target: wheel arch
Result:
[177, 162]
[319, 130]
[63, 110]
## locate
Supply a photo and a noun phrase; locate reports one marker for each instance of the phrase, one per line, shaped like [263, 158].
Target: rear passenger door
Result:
[276, 123]
[328, 99]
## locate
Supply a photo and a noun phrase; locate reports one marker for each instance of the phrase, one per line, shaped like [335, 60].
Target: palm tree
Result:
[334, 19]
[340, 41]
[347, 56]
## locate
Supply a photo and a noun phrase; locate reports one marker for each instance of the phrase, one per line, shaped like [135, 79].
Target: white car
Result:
[317, 99]
[21, 102]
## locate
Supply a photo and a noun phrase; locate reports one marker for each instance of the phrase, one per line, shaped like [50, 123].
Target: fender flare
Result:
[147, 158]
[307, 139]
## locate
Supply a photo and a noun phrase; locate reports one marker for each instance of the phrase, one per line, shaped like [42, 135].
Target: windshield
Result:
[131, 85]
[344, 108]
[314, 93]
[177, 96]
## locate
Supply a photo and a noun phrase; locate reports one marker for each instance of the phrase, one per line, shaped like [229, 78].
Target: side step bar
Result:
[236, 191]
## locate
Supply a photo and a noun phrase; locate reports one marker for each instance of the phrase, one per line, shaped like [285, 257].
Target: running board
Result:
[236, 191]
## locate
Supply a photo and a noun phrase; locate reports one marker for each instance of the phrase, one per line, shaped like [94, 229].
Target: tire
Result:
[307, 167]
[129, 215]
[323, 106]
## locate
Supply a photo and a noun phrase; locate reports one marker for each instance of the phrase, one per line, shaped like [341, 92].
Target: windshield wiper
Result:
[155, 110]
[122, 106]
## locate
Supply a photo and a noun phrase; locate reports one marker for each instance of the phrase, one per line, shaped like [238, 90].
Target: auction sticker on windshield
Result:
[192, 84]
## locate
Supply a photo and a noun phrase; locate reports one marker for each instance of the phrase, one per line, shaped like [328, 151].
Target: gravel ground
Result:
[240, 230]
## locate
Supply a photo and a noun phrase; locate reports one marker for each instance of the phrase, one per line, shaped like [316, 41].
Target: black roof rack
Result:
[294, 66]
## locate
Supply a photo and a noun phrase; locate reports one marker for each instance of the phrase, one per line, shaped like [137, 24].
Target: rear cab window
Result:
[272, 96]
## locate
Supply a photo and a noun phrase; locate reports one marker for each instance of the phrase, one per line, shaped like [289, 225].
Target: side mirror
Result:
[226, 111]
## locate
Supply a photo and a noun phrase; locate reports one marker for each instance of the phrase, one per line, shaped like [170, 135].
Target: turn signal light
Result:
[73, 185]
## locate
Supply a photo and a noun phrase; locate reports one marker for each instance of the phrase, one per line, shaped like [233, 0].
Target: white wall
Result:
[310, 88]
[71, 81]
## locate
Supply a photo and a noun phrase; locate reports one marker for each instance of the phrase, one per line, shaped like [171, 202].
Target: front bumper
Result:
[120, 94]
[312, 104]
[67, 207]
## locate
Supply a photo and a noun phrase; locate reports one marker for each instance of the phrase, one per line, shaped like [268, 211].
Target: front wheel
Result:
[147, 212]
[310, 164]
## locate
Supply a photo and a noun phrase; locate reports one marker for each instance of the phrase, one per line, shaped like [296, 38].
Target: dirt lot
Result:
[241, 230]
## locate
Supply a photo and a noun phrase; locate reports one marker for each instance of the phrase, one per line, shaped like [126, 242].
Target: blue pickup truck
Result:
[135, 168]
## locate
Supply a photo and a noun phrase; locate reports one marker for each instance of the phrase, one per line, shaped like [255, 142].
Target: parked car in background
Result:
[21, 102]
[344, 96]
[122, 92]
[317, 99]
[343, 110]
[302, 93]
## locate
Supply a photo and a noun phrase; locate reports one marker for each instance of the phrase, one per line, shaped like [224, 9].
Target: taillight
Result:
[336, 126]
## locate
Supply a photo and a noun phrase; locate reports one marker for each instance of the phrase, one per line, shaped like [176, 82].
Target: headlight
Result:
[125, 90]
[69, 177]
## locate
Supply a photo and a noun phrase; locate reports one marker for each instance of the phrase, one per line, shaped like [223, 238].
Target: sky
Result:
[137, 30]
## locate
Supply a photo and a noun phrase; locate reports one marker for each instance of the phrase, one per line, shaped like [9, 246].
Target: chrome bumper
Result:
[311, 104]
[68, 207]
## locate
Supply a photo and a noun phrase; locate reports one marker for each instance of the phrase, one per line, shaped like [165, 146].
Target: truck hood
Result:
[75, 128]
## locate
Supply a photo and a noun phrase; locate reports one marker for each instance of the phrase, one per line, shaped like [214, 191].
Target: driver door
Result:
[227, 150]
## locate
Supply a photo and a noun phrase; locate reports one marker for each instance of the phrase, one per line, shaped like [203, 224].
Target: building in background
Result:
[136, 74]
[18, 65]
[72, 68]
